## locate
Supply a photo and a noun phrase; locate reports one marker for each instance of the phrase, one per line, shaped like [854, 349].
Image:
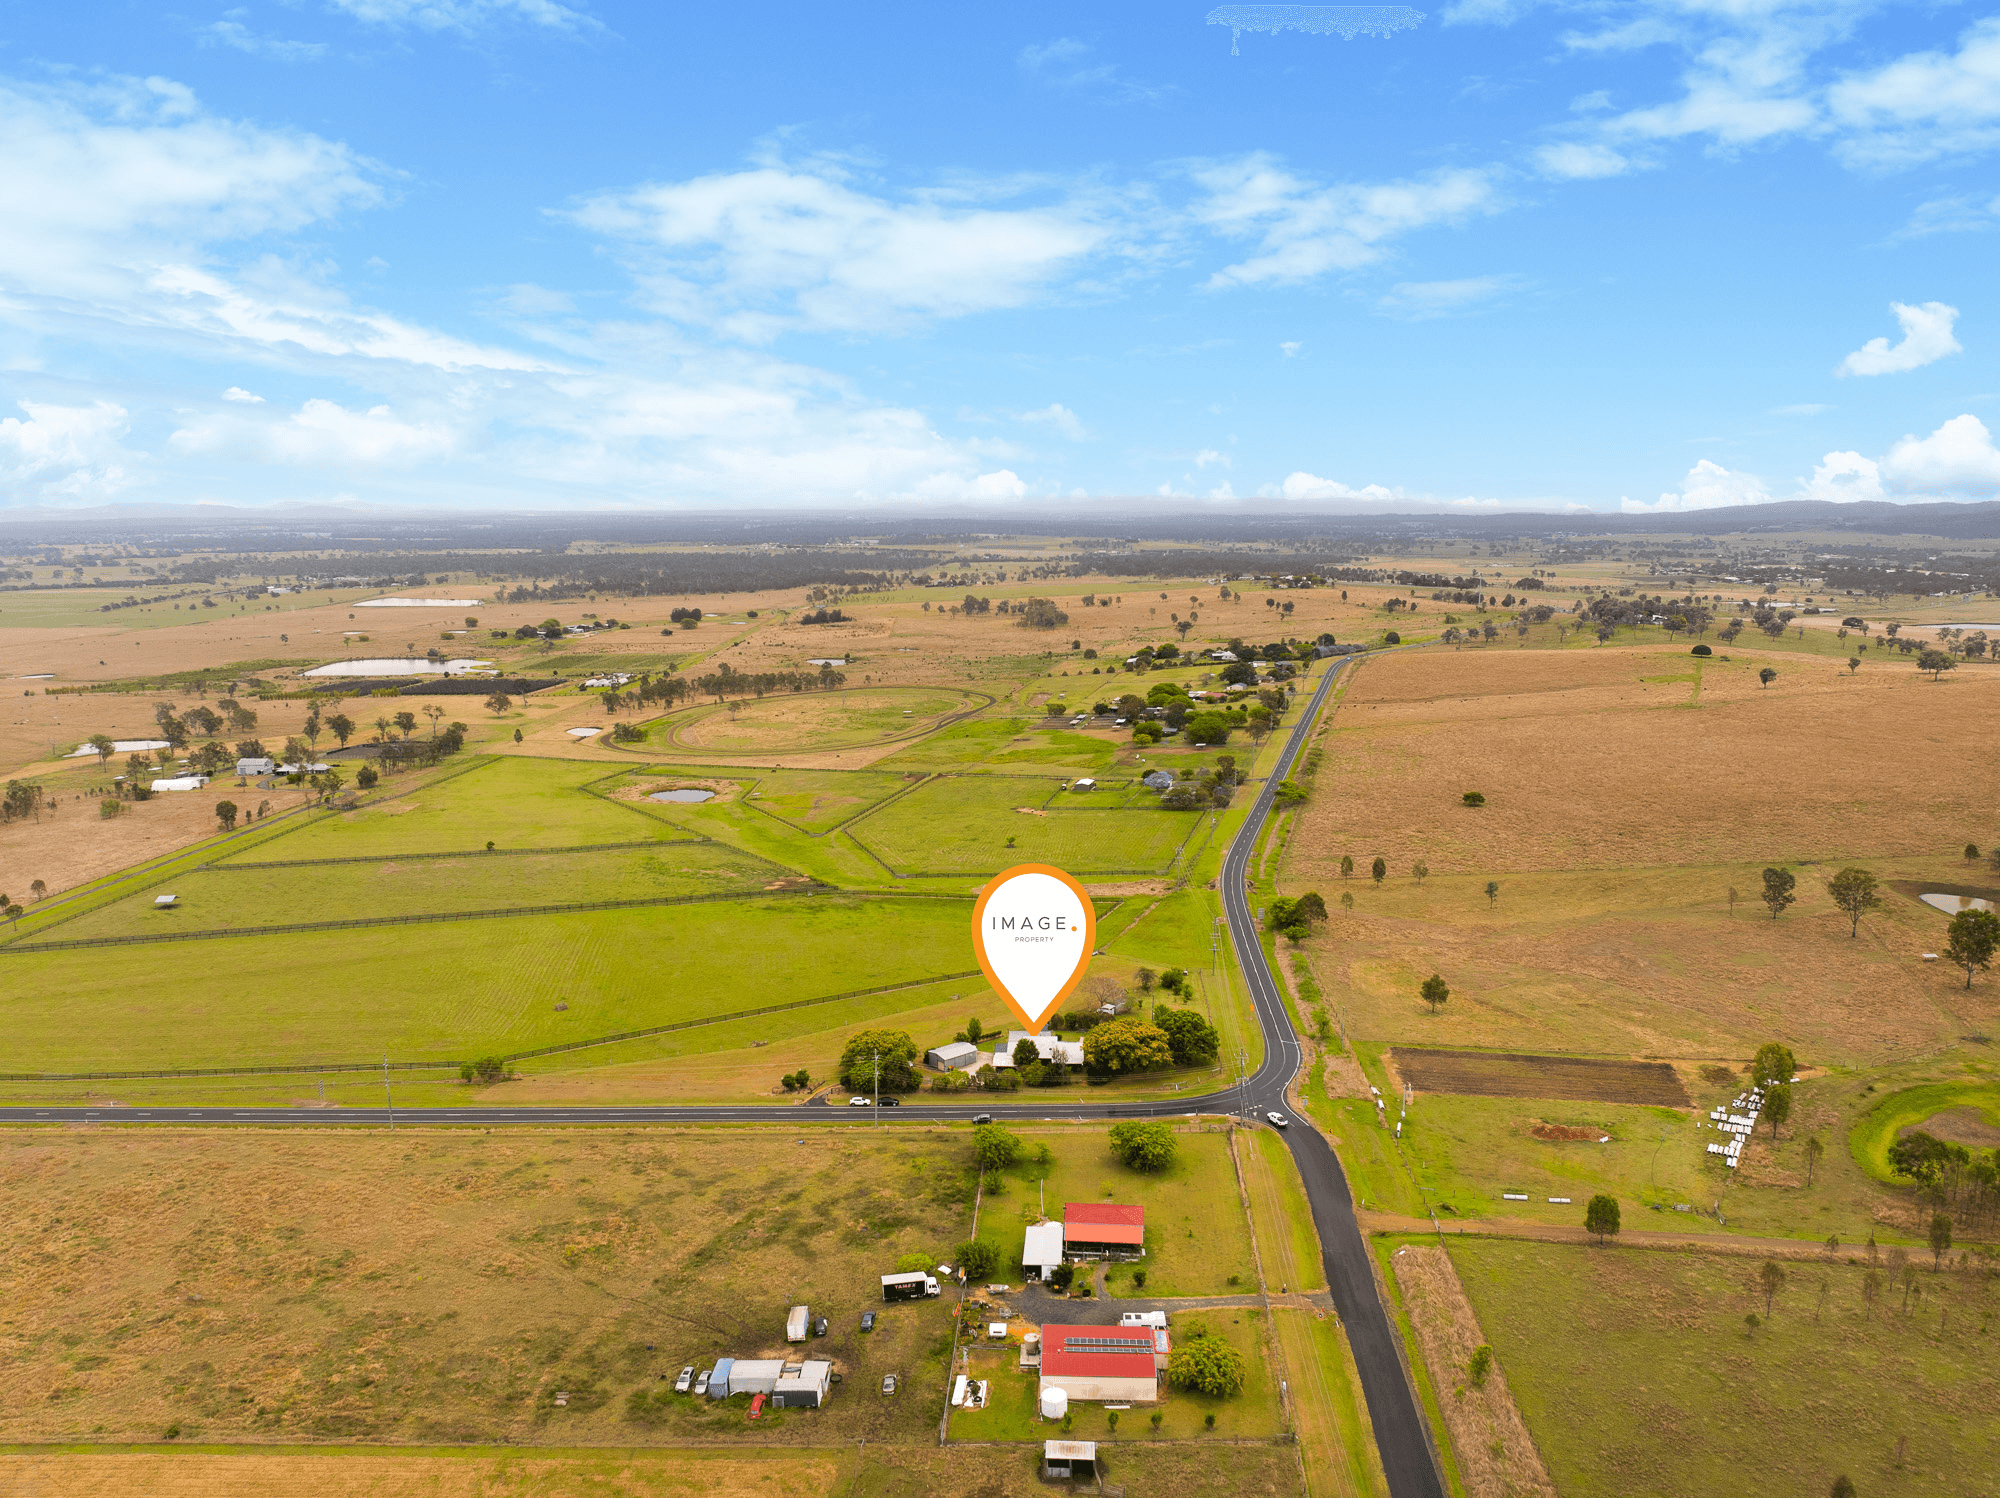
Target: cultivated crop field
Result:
[1486, 1074]
[444, 1288]
[1638, 1374]
[981, 824]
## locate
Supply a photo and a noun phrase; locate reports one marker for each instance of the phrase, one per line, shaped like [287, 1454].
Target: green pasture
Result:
[512, 802]
[456, 990]
[973, 825]
[817, 801]
[1197, 1238]
[1638, 1374]
[1005, 741]
[71, 608]
[228, 897]
[1877, 1128]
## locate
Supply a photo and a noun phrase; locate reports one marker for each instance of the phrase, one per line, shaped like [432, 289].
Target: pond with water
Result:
[689, 794]
[1953, 904]
[396, 666]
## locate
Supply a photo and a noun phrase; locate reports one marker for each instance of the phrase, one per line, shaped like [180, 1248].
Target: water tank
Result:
[1055, 1403]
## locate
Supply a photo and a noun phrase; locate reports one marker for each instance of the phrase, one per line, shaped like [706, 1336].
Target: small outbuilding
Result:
[1063, 1461]
[256, 766]
[1083, 783]
[955, 1056]
[1042, 1249]
[1106, 1229]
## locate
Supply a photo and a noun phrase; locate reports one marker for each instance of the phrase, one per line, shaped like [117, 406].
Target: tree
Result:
[1346, 867]
[1492, 892]
[1347, 902]
[1601, 1217]
[1193, 1040]
[1972, 853]
[1773, 1064]
[1871, 1290]
[1937, 662]
[1420, 871]
[407, 722]
[341, 727]
[995, 1147]
[1923, 1156]
[101, 742]
[1126, 1045]
[1970, 940]
[1813, 1152]
[1311, 906]
[1144, 1146]
[977, 1258]
[1853, 890]
[1767, 676]
[225, 813]
[1473, 798]
[1379, 869]
[39, 889]
[1843, 1487]
[1206, 1364]
[898, 1055]
[1481, 1365]
[1770, 1279]
[1853, 664]
[1940, 1240]
[1733, 898]
[1777, 1107]
[1778, 887]
[1026, 1053]
[499, 702]
[1435, 992]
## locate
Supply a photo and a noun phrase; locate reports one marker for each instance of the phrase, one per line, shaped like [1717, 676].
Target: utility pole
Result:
[388, 1094]
[878, 1087]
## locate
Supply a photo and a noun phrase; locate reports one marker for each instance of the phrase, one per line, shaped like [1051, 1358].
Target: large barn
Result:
[1113, 1364]
[1104, 1229]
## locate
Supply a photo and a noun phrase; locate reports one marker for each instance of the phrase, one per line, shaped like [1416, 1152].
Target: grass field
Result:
[1637, 1374]
[514, 803]
[1878, 1128]
[455, 991]
[981, 824]
[1197, 1242]
[851, 717]
[1336, 1442]
[1287, 1241]
[235, 896]
[443, 1287]
[820, 800]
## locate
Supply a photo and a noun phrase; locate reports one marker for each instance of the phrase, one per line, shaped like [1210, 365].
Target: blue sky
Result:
[529, 254]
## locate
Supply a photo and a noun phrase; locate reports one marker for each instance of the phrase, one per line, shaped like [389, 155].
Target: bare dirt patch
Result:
[1496, 1456]
[1566, 1133]
[1966, 1126]
[1486, 1074]
[724, 790]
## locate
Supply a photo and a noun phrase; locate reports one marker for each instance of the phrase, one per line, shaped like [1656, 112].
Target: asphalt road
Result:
[1400, 1433]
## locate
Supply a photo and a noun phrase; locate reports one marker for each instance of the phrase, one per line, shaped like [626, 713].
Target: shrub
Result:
[486, 1070]
[977, 1258]
[995, 1147]
[898, 1053]
[1206, 1364]
[1144, 1146]
[1701, 650]
[1392, 638]
[1481, 1365]
[1473, 798]
[367, 775]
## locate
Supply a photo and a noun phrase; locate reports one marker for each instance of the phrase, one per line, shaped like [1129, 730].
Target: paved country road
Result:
[1400, 1433]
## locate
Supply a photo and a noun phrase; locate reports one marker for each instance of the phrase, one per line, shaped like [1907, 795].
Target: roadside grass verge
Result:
[1287, 1241]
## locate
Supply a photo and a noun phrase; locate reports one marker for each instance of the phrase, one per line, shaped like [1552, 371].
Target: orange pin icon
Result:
[1033, 928]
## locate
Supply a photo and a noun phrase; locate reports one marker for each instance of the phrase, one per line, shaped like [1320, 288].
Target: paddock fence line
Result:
[313, 1069]
[420, 918]
[313, 863]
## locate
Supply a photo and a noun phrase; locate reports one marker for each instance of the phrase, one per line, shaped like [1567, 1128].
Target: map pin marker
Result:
[1033, 928]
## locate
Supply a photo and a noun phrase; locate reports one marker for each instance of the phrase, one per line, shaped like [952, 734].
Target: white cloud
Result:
[1954, 215]
[1059, 416]
[63, 452]
[465, 16]
[1708, 486]
[1426, 299]
[1290, 350]
[760, 252]
[1222, 491]
[240, 38]
[1209, 455]
[1305, 229]
[1572, 160]
[1925, 104]
[238, 393]
[1063, 63]
[1303, 485]
[1844, 477]
[1927, 337]
[1957, 461]
[321, 433]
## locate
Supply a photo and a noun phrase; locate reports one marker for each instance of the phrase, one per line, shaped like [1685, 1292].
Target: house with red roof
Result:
[1104, 1230]
[1115, 1364]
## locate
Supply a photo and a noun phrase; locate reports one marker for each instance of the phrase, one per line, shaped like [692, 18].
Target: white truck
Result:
[917, 1286]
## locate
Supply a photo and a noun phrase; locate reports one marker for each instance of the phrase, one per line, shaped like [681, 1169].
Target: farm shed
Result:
[958, 1054]
[1114, 1364]
[256, 766]
[1083, 783]
[1042, 1248]
[1105, 1228]
[1062, 1460]
[1158, 780]
[181, 783]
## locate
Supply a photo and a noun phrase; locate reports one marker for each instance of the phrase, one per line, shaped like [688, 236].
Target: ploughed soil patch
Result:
[1966, 1126]
[1501, 1074]
[1565, 1133]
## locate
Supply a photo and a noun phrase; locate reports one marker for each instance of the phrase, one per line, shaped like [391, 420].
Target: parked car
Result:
[1279, 1120]
[701, 1382]
[819, 1326]
[868, 1321]
[756, 1405]
[685, 1381]
[888, 1383]
[982, 1118]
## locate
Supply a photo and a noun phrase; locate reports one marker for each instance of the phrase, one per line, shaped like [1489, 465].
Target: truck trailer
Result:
[795, 1324]
[909, 1286]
